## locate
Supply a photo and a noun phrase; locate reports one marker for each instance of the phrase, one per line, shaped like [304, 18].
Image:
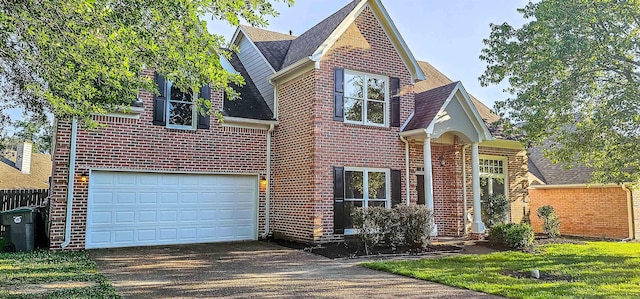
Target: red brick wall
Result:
[139, 145]
[292, 196]
[363, 47]
[587, 212]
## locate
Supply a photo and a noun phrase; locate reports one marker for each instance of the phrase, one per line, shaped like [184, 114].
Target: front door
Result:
[420, 188]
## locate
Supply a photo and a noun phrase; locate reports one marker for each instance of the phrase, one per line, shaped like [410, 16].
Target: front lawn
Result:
[590, 270]
[47, 274]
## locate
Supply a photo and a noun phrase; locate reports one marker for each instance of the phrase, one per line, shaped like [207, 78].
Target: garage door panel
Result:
[158, 209]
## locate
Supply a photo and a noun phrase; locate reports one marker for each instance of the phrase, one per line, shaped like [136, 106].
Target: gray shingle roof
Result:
[556, 174]
[273, 45]
[251, 104]
[310, 41]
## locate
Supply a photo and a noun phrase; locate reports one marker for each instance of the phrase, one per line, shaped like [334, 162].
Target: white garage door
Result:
[141, 209]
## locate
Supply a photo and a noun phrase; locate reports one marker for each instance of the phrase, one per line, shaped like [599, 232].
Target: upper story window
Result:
[176, 109]
[181, 112]
[366, 98]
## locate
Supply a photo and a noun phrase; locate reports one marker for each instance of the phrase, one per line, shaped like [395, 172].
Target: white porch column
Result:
[477, 227]
[428, 180]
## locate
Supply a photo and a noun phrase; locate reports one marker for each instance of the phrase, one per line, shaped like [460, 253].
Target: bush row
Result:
[401, 225]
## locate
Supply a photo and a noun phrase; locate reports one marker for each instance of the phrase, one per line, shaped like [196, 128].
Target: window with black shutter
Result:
[175, 108]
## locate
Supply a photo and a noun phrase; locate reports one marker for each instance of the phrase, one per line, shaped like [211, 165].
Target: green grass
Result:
[39, 267]
[591, 270]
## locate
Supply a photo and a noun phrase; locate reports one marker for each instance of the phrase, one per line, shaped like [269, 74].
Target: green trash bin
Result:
[20, 224]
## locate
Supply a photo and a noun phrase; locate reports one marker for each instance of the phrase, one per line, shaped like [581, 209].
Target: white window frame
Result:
[365, 189]
[194, 111]
[366, 99]
[504, 175]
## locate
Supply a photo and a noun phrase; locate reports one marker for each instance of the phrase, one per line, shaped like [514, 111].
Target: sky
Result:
[446, 33]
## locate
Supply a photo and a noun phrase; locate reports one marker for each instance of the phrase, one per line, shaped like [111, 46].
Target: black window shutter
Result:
[338, 94]
[204, 121]
[160, 101]
[338, 200]
[395, 102]
[396, 188]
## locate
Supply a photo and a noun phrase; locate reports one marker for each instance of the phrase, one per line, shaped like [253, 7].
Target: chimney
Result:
[23, 157]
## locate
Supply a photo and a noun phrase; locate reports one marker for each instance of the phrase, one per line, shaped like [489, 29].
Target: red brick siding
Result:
[292, 197]
[139, 145]
[587, 212]
[363, 47]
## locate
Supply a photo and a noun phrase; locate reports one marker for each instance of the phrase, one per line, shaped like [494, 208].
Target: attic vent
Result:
[291, 32]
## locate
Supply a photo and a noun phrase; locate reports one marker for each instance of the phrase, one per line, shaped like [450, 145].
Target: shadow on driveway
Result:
[253, 270]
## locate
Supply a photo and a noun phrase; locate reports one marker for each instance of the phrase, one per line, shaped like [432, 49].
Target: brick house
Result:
[584, 209]
[338, 117]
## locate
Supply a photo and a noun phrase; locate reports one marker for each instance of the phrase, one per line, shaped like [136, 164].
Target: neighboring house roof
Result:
[428, 104]
[12, 178]
[556, 174]
[307, 43]
[273, 45]
[251, 104]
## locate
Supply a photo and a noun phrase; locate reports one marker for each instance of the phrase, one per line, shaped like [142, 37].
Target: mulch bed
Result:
[354, 250]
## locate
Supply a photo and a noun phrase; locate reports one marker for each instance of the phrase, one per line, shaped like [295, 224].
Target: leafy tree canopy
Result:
[78, 57]
[574, 74]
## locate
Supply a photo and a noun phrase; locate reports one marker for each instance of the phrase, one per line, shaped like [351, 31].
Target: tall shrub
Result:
[495, 209]
[416, 225]
[550, 221]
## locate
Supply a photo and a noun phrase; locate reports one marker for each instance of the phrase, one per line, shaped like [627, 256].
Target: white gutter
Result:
[406, 159]
[290, 68]
[72, 174]
[464, 188]
[574, 186]
[632, 233]
[268, 189]
[232, 119]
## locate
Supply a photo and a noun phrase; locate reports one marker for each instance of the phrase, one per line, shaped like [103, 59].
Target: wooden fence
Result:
[11, 199]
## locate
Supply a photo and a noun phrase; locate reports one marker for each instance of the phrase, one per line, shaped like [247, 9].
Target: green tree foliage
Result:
[78, 57]
[574, 75]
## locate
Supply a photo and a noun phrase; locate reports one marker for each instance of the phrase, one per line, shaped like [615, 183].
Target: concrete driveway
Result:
[253, 270]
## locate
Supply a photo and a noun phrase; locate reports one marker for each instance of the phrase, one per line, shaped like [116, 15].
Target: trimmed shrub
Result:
[518, 235]
[402, 225]
[512, 235]
[495, 210]
[550, 221]
[416, 225]
[496, 233]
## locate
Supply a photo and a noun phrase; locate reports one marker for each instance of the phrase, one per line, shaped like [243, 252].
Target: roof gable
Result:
[272, 45]
[309, 42]
[440, 106]
[315, 43]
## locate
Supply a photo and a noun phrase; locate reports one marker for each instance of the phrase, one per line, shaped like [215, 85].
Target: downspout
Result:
[464, 188]
[72, 174]
[267, 197]
[632, 233]
[406, 165]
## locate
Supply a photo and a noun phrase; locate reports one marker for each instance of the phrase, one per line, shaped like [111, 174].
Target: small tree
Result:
[495, 209]
[550, 221]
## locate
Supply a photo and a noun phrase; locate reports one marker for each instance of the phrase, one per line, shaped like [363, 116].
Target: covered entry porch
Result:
[442, 142]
